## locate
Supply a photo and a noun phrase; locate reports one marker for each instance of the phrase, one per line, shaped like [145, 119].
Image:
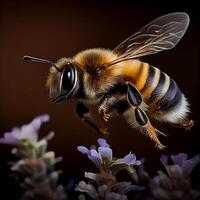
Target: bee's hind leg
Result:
[142, 121]
[83, 113]
[152, 133]
[186, 124]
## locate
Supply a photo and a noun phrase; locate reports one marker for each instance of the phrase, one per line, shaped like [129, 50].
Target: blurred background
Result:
[54, 29]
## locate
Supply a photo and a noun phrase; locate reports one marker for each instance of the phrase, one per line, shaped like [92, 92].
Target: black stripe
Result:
[168, 97]
[150, 77]
[175, 100]
[157, 91]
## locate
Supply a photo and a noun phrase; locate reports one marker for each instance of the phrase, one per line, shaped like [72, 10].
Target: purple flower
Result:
[125, 187]
[176, 183]
[103, 156]
[28, 132]
[98, 157]
[107, 186]
[35, 166]
[102, 142]
[182, 162]
[87, 188]
[186, 164]
[129, 159]
[116, 191]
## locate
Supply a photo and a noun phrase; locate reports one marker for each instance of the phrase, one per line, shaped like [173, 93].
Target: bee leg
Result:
[186, 124]
[143, 123]
[83, 113]
[152, 133]
[104, 110]
[105, 114]
[106, 107]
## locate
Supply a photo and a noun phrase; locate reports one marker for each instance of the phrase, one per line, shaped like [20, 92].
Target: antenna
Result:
[40, 60]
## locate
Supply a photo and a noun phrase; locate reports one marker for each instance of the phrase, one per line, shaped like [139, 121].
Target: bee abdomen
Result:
[171, 99]
[159, 91]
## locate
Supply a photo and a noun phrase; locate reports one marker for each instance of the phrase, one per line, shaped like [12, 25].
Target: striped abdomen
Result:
[159, 91]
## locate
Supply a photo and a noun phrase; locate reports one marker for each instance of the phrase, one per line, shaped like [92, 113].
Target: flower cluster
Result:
[176, 184]
[36, 168]
[36, 165]
[108, 166]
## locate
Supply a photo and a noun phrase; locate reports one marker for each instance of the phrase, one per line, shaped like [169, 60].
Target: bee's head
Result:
[62, 80]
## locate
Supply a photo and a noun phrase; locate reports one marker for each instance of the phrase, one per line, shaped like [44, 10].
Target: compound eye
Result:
[68, 78]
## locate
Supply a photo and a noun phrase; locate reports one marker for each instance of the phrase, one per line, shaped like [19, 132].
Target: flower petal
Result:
[103, 190]
[83, 150]
[49, 136]
[189, 165]
[124, 187]
[105, 153]
[164, 160]
[179, 159]
[9, 139]
[102, 142]
[28, 132]
[94, 153]
[160, 186]
[129, 159]
[174, 171]
[95, 157]
[88, 188]
[36, 123]
[91, 176]
[15, 132]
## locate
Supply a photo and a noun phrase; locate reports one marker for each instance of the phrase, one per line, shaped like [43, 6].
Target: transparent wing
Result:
[161, 34]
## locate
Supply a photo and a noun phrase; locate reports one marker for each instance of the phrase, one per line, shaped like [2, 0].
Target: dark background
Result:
[54, 29]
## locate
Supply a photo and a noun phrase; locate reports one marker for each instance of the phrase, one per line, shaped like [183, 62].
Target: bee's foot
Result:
[187, 124]
[106, 117]
[103, 112]
[160, 146]
[104, 131]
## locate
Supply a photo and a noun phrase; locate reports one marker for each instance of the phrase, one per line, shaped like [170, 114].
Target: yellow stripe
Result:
[131, 69]
[142, 77]
[147, 92]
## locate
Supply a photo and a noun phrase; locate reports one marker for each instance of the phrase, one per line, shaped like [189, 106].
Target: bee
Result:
[117, 82]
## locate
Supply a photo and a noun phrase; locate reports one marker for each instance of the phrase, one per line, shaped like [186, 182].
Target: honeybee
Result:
[119, 83]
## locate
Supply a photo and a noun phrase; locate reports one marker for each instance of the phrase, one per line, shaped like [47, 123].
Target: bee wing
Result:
[161, 34]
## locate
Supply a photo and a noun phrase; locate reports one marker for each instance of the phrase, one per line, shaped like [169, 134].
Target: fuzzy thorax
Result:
[97, 78]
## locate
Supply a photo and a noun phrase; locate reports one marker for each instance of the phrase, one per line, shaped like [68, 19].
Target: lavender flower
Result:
[115, 191]
[26, 132]
[186, 164]
[176, 183]
[36, 165]
[103, 157]
[108, 186]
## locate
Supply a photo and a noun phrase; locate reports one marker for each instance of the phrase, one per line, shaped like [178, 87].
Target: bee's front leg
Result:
[83, 113]
[103, 110]
[106, 106]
